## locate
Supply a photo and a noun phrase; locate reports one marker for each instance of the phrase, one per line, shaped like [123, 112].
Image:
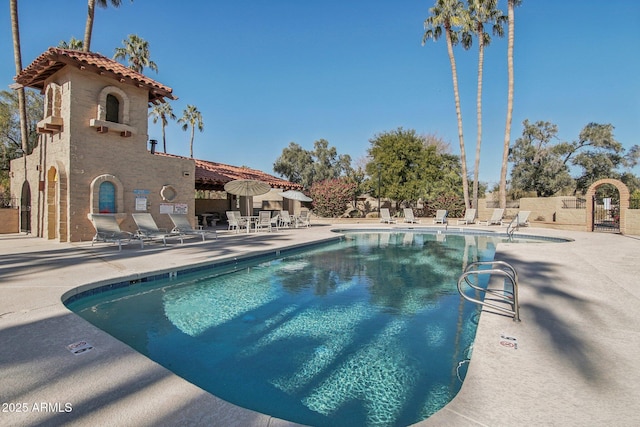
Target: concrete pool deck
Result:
[576, 363]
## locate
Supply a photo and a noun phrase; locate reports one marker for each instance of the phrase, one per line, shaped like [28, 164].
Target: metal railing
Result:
[508, 296]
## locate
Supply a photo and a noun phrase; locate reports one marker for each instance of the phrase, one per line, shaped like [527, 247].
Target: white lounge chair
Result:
[108, 231]
[441, 216]
[235, 221]
[148, 229]
[183, 226]
[385, 216]
[409, 217]
[469, 217]
[304, 219]
[266, 221]
[285, 219]
[496, 218]
[522, 218]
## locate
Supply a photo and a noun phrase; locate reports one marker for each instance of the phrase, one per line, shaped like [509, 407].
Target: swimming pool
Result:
[366, 331]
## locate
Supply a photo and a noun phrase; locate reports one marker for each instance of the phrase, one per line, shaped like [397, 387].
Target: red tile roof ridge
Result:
[207, 170]
[54, 58]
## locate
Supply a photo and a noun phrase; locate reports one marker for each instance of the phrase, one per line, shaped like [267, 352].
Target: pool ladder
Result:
[495, 299]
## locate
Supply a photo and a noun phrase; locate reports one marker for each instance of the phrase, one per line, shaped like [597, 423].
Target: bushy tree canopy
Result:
[544, 167]
[306, 167]
[409, 167]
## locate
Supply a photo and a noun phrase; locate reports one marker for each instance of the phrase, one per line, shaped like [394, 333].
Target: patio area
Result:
[575, 365]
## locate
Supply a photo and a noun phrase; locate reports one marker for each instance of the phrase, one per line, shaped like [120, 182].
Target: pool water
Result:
[367, 331]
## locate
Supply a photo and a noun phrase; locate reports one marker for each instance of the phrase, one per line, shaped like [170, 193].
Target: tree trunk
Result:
[507, 129]
[463, 156]
[17, 56]
[476, 170]
[88, 29]
[191, 143]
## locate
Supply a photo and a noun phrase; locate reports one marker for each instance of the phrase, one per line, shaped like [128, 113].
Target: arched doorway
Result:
[25, 208]
[607, 204]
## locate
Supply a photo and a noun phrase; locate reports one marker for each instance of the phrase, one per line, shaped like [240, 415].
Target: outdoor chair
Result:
[441, 217]
[285, 219]
[522, 218]
[235, 221]
[409, 217]
[496, 218]
[304, 219]
[183, 226]
[266, 221]
[148, 230]
[469, 217]
[108, 230]
[385, 216]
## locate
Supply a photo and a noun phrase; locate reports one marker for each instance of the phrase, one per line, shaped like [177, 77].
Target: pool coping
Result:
[596, 273]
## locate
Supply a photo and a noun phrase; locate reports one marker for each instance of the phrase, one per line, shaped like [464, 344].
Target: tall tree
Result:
[502, 192]
[17, 57]
[537, 163]
[88, 29]
[136, 53]
[162, 112]
[191, 117]
[307, 167]
[445, 16]
[402, 165]
[481, 13]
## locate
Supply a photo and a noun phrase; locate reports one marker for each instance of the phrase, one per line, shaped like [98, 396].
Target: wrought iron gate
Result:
[606, 215]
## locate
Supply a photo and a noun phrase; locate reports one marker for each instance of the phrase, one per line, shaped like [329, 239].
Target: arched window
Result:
[113, 109]
[107, 198]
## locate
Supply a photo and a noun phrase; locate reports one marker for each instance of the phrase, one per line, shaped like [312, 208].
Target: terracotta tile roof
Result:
[213, 176]
[54, 59]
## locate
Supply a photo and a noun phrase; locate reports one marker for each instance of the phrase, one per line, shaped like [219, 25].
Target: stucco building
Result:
[92, 154]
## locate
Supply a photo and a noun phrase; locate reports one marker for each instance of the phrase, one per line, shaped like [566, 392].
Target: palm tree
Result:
[17, 56]
[74, 44]
[447, 14]
[191, 117]
[88, 29]
[136, 52]
[502, 192]
[162, 112]
[482, 12]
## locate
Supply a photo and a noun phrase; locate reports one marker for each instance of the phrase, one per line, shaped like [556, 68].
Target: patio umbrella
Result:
[247, 187]
[296, 195]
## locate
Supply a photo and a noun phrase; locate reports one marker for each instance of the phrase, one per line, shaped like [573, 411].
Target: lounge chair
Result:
[441, 216]
[409, 217]
[284, 219]
[148, 230]
[182, 225]
[266, 221]
[235, 221]
[108, 231]
[304, 219]
[385, 216]
[469, 217]
[522, 218]
[496, 218]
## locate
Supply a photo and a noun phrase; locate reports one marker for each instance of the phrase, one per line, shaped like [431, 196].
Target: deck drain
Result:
[79, 347]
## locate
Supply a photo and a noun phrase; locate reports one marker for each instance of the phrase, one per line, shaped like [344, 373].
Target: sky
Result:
[267, 73]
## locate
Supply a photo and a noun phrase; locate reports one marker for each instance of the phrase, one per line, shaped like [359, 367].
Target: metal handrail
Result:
[503, 296]
[513, 228]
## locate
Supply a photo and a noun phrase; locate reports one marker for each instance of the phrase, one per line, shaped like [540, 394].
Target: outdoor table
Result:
[251, 220]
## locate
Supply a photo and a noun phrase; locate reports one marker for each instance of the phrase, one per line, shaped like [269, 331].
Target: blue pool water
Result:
[366, 331]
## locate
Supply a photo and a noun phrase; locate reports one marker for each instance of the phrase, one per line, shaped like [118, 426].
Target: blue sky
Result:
[267, 73]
